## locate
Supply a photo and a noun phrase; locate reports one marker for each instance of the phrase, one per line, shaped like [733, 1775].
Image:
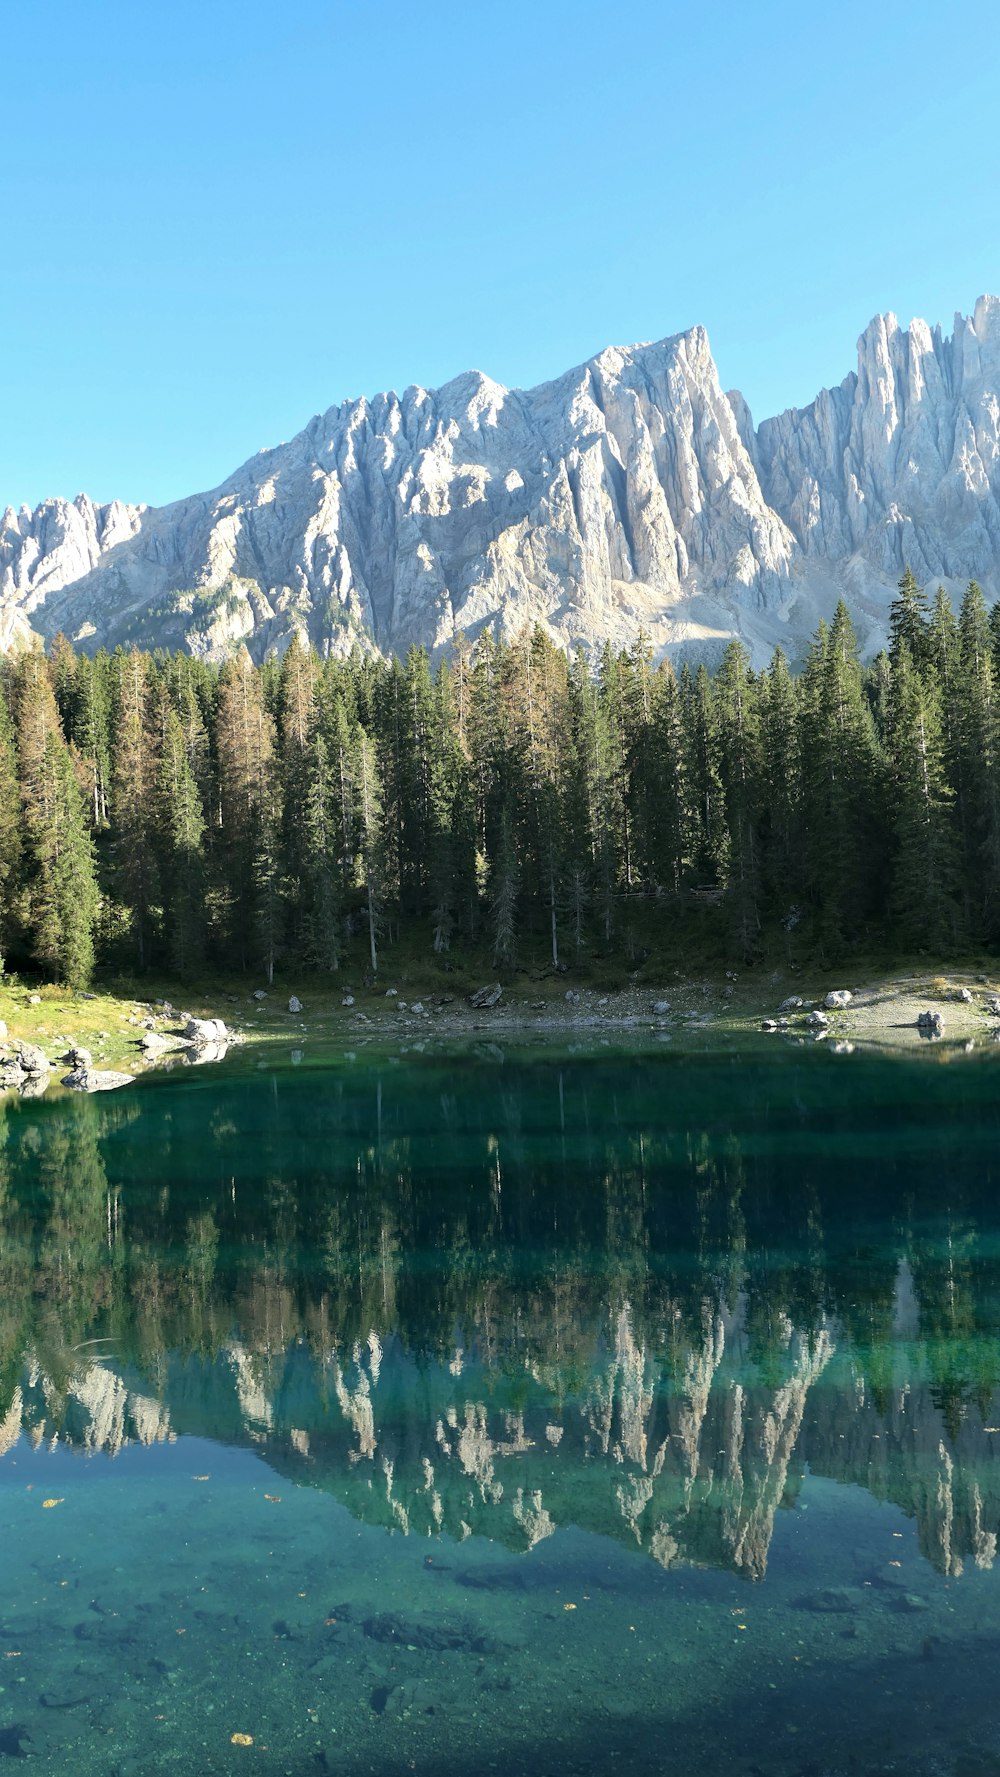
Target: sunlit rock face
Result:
[631, 493]
[607, 499]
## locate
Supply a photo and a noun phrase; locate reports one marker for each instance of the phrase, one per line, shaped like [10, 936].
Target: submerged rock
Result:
[831, 1600]
[431, 1637]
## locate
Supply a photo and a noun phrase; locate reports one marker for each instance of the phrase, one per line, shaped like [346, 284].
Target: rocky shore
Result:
[96, 1042]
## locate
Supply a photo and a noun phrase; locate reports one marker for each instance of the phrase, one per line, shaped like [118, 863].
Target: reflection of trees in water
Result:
[610, 1293]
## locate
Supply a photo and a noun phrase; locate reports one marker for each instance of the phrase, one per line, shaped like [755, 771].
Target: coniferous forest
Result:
[158, 813]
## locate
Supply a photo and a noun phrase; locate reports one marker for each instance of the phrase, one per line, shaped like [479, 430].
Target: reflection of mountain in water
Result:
[569, 1309]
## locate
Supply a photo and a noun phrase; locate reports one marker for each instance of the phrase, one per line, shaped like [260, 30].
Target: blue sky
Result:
[220, 218]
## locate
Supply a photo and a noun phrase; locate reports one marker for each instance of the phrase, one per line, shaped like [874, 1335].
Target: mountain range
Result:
[631, 492]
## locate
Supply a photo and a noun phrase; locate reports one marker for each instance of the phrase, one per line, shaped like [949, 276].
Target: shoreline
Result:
[881, 1015]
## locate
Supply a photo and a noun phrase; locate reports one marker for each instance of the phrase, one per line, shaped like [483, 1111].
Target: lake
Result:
[534, 1412]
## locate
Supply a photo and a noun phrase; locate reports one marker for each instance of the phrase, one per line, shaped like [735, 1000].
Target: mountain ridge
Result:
[630, 492]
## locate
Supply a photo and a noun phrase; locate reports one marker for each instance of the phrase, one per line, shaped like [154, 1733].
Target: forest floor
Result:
[408, 1009]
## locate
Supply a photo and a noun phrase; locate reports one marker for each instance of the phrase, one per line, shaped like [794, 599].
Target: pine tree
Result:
[781, 766]
[709, 835]
[181, 825]
[10, 832]
[247, 813]
[297, 706]
[740, 768]
[61, 887]
[321, 878]
[974, 725]
[134, 801]
[372, 844]
[924, 851]
[843, 848]
[908, 621]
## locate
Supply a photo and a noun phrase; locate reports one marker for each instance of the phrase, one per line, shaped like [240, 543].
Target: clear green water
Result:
[546, 1414]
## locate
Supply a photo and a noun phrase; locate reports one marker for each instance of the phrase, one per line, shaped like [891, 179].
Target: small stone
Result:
[660, 1007]
[792, 1004]
[417, 1006]
[295, 1004]
[817, 1021]
[348, 999]
[392, 993]
[572, 997]
[34, 999]
[769, 1024]
[964, 995]
[837, 1001]
[259, 994]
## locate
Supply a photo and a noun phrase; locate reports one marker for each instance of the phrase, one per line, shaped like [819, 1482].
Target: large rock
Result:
[33, 1060]
[206, 1030]
[89, 1079]
[838, 1001]
[487, 996]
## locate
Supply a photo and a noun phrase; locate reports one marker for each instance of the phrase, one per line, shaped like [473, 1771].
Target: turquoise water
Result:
[541, 1413]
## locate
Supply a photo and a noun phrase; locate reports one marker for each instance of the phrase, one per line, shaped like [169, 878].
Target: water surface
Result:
[543, 1414]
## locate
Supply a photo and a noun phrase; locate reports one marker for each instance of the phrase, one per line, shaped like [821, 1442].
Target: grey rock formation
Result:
[89, 1079]
[629, 492]
[485, 997]
[206, 1031]
[901, 463]
[33, 1060]
[617, 496]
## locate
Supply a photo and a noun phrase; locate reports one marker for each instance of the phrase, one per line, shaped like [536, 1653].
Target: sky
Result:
[221, 218]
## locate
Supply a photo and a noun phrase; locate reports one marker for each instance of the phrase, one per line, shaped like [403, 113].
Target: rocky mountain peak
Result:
[629, 492]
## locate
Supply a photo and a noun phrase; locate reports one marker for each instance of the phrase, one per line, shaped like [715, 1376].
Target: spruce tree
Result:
[924, 851]
[908, 621]
[134, 801]
[10, 832]
[181, 823]
[60, 877]
[740, 769]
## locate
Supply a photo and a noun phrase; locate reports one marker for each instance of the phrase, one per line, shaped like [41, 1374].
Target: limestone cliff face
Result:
[901, 463]
[621, 494]
[630, 492]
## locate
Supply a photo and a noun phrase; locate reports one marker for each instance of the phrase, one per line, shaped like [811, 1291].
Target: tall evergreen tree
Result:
[61, 886]
[924, 852]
